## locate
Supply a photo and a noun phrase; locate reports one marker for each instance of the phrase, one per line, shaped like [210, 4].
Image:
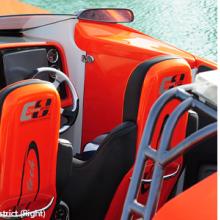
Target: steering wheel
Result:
[70, 113]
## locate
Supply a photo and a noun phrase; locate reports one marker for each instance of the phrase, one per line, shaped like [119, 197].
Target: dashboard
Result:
[20, 63]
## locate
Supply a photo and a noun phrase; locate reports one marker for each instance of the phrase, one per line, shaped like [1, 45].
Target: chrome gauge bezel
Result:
[56, 58]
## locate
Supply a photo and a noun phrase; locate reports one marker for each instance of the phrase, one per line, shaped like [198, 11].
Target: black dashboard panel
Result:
[19, 64]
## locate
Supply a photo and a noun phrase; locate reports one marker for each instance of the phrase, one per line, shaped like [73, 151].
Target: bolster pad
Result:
[64, 164]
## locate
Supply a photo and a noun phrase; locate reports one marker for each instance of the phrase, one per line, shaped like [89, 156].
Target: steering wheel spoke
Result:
[70, 113]
[56, 83]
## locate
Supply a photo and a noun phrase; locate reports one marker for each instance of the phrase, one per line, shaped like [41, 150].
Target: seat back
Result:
[148, 81]
[29, 129]
[92, 183]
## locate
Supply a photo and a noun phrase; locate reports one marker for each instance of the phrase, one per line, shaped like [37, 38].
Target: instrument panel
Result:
[20, 63]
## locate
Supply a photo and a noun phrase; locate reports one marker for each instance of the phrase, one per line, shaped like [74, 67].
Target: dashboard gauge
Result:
[52, 56]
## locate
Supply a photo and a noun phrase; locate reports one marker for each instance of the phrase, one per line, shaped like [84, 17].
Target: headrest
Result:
[136, 80]
[7, 90]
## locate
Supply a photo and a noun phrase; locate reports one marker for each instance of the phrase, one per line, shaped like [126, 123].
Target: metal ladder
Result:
[162, 156]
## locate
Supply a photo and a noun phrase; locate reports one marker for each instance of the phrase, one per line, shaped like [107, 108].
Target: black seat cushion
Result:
[64, 164]
[200, 161]
[93, 183]
[91, 148]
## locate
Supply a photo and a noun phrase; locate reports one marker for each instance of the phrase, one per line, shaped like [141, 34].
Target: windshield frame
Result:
[22, 22]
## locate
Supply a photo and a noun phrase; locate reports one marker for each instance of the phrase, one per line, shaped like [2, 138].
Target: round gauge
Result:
[52, 56]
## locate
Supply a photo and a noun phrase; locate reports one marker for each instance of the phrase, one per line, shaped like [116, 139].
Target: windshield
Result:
[20, 15]
[190, 25]
[21, 22]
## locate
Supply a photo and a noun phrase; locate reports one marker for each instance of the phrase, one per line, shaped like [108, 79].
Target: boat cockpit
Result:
[76, 92]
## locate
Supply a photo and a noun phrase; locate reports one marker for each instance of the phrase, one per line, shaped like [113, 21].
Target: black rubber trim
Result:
[134, 86]
[7, 90]
[70, 115]
[204, 68]
[64, 165]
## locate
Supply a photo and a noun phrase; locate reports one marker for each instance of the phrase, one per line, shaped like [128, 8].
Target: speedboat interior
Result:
[102, 122]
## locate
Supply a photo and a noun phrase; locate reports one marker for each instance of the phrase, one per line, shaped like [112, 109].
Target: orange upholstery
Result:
[29, 129]
[160, 77]
[164, 75]
[198, 202]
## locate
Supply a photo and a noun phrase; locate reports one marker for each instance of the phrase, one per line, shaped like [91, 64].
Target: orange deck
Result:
[11, 7]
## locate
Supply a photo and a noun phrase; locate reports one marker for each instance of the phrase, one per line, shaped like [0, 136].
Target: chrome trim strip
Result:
[165, 177]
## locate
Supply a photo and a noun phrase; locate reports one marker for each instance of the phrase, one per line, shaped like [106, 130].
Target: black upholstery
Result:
[134, 87]
[98, 140]
[204, 68]
[93, 183]
[86, 155]
[200, 161]
[193, 122]
[64, 164]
